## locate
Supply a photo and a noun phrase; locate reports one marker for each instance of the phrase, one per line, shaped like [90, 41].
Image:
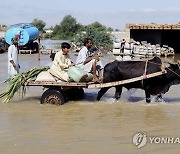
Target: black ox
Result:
[121, 70]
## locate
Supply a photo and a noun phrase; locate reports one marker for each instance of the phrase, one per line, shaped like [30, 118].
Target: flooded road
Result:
[85, 126]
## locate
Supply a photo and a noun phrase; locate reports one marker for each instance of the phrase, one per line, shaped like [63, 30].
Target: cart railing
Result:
[92, 85]
[116, 83]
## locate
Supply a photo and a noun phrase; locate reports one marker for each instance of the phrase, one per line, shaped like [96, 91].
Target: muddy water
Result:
[85, 126]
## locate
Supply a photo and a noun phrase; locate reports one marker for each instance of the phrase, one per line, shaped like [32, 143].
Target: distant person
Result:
[13, 64]
[89, 61]
[52, 55]
[61, 63]
[1, 49]
[122, 45]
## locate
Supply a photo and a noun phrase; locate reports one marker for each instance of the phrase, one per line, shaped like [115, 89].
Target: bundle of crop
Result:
[20, 80]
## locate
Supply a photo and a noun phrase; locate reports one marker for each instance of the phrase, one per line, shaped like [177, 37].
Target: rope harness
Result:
[162, 68]
[145, 70]
[178, 64]
[145, 73]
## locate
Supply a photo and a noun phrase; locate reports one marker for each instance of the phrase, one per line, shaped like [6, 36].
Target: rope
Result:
[145, 69]
[167, 68]
[178, 65]
[144, 75]
[154, 63]
[173, 72]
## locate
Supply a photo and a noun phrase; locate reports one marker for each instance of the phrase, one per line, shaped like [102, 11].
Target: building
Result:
[2, 34]
[2, 31]
[163, 34]
[48, 31]
[119, 35]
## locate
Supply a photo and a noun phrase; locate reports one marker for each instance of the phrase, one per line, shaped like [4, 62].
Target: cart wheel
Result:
[52, 96]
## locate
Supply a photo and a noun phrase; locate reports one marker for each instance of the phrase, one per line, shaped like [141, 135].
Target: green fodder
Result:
[20, 80]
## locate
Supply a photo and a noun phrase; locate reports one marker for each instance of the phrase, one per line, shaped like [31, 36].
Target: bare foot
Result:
[101, 79]
[95, 80]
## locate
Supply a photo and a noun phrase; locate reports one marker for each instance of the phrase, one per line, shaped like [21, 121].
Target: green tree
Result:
[39, 24]
[109, 29]
[67, 29]
[56, 32]
[99, 34]
[3, 25]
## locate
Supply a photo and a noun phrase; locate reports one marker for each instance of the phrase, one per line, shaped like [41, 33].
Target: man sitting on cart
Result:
[90, 61]
[61, 63]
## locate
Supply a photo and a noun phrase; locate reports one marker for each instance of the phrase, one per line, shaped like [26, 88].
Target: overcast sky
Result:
[111, 13]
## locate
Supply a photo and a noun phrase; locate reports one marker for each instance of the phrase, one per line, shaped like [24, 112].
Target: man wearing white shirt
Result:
[61, 63]
[13, 64]
[89, 62]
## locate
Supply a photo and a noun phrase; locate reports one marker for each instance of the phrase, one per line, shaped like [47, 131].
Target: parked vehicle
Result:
[3, 45]
[27, 34]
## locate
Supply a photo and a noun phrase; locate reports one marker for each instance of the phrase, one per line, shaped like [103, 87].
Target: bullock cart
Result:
[58, 93]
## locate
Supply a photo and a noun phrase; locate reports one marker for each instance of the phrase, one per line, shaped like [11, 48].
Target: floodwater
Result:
[86, 126]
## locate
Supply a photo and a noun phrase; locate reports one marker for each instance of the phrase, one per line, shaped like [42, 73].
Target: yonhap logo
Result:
[164, 140]
[140, 139]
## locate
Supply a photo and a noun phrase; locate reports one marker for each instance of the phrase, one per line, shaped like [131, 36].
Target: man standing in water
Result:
[13, 64]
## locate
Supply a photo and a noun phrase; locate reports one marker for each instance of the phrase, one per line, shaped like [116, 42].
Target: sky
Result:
[111, 13]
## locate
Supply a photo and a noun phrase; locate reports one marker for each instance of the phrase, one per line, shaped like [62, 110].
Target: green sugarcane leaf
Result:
[20, 80]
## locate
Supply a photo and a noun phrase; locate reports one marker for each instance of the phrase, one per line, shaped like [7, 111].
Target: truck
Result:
[27, 35]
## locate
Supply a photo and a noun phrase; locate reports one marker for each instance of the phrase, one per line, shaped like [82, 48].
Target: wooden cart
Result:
[60, 92]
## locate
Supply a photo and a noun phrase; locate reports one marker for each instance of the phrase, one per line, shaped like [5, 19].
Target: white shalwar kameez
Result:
[60, 66]
[83, 54]
[13, 55]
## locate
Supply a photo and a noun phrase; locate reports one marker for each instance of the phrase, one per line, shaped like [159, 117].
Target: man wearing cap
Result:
[13, 64]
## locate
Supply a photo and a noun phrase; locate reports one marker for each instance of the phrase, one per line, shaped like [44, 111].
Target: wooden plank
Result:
[60, 84]
[91, 84]
[111, 84]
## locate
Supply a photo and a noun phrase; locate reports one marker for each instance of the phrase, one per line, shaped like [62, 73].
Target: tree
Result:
[39, 24]
[56, 32]
[117, 30]
[67, 29]
[99, 34]
[3, 25]
[109, 29]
